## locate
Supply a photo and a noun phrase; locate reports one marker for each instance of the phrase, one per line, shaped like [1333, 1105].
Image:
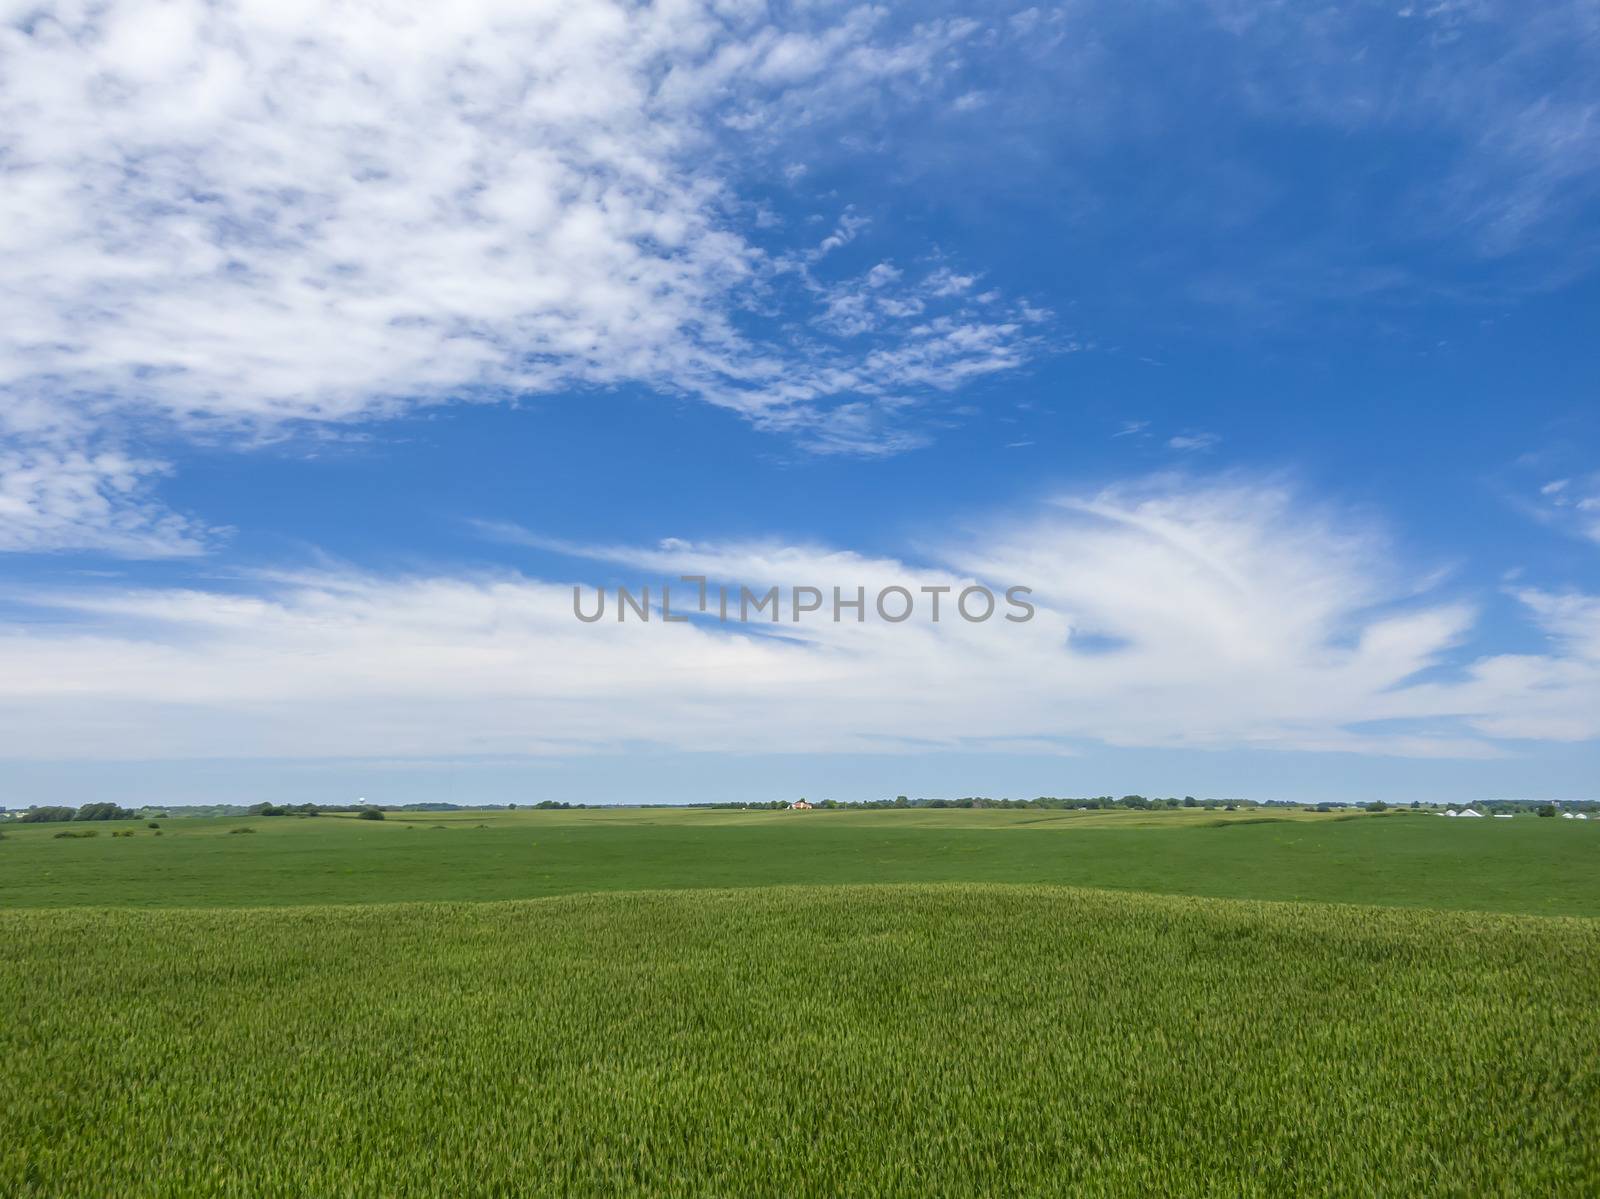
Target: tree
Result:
[370, 814]
[104, 811]
[47, 815]
[1547, 809]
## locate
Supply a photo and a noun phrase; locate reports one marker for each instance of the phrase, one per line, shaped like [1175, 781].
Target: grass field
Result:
[189, 1015]
[1521, 865]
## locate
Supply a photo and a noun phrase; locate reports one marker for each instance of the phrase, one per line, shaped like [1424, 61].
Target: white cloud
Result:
[1506, 91]
[1239, 615]
[1551, 696]
[945, 282]
[882, 274]
[76, 498]
[1193, 441]
[62, 486]
[225, 218]
[1572, 504]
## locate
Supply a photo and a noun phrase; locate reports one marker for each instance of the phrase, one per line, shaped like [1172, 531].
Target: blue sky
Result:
[339, 344]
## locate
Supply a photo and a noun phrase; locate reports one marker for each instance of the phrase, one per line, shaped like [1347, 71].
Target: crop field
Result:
[197, 1018]
[1521, 865]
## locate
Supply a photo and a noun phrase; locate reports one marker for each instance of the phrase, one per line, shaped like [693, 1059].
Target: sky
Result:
[339, 343]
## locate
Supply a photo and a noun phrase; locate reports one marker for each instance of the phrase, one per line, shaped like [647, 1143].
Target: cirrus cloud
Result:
[222, 220]
[1169, 614]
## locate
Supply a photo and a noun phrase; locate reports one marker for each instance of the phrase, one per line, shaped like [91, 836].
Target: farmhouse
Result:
[800, 805]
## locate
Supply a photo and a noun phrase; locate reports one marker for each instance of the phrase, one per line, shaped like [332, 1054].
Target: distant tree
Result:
[370, 814]
[1377, 805]
[1547, 809]
[104, 811]
[47, 815]
[1190, 801]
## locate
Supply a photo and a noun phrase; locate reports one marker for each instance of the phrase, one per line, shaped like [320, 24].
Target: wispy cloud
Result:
[232, 219]
[1575, 504]
[1193, 442]
[1209, 616]
[77, 498]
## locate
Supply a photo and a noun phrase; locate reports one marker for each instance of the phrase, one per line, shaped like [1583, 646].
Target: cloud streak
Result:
[1169, 614]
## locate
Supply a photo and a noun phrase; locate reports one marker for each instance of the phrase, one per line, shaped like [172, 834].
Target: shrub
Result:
[370, 814]
[236, 831]
[122, 832]
[152, 824]
[77, 833]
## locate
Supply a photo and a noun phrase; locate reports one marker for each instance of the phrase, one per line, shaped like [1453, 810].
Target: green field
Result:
[1521, 865]
[715, 1003]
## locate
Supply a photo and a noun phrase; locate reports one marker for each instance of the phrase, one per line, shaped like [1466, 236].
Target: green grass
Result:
[1522, 865]
[918, 1040]
[709, 1003]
